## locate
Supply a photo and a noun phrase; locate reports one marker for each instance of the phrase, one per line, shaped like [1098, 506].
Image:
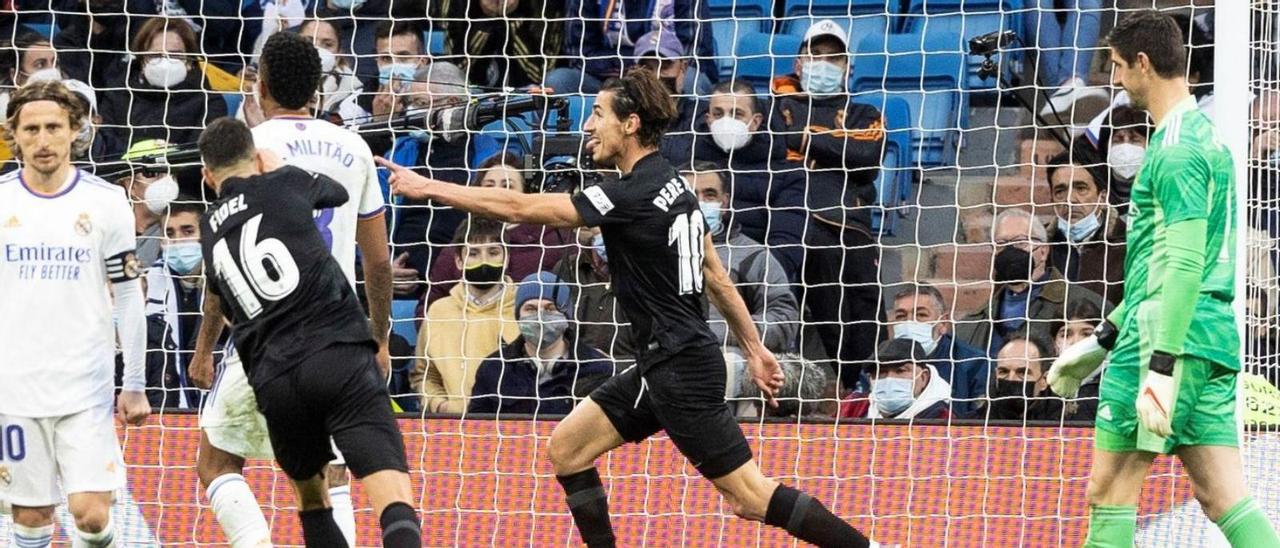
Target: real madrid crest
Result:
[131, 270]
[83, 225]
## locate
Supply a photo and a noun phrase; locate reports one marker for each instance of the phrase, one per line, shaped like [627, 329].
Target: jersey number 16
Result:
[269, 271]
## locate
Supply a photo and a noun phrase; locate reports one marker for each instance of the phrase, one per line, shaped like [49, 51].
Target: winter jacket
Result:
[763, 285]
[496, 52]
[845, 144]
[507, 381]
[456, 336]
[1049, 301]
[601, 323]
[932, 403]
[142, 111]
[169, 346]
[1098, 262]
[767, 190]
[967, 369]
[594, 29]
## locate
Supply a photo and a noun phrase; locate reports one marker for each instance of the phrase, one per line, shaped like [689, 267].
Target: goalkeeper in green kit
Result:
[1170, 386]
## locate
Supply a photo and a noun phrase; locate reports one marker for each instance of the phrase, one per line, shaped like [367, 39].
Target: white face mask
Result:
[1125, 159]
[159, 193]
[50, 74]
[920, 332]
[730, 133]
[1081, 230]
[164, 72]
[327, 60]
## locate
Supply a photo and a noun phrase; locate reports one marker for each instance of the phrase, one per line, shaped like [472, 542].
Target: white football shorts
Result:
[78, 452]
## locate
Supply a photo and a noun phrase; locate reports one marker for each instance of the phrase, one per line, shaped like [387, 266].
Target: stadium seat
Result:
[731, 19]
[233, 102]
[928, 78]
[860, 18]
[762, 56]
[893, 185]
[966, 19]
[435, 42]
[46, 30]
[403, 319]
[579, 110]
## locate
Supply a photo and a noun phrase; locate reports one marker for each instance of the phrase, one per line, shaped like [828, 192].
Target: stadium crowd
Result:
[517, 319]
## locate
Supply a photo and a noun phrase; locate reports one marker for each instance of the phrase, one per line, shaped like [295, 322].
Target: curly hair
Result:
[77, 108]
[290, 67]
[640, 92]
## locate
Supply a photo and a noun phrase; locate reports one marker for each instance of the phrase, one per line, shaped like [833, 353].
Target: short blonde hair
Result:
[45, 90]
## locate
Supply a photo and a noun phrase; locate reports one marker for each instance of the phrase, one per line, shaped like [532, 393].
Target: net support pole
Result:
[1232, 100]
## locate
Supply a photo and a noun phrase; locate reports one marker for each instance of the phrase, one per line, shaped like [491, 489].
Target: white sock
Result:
[32, 537]
[343, 513]
[238, 512]
[102, 539]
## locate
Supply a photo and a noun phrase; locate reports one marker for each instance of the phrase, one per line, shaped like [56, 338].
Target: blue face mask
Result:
[597, 243]
[711, 212]
[893, 395]
[821, 78]
[403, 72]
[1080, 231]
[182, 257]
[347, 4]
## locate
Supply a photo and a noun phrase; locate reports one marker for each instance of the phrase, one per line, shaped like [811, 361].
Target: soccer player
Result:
[288, 77]
[300, 333]
[661, 257]
[1171, 383]
[67, 267]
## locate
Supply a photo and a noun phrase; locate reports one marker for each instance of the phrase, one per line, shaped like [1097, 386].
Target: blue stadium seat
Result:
[894, 185]
[435, 42]
[860, 18]
[403, 317]
[966, 19]
[233, 102]
[929, 79]
[761, 56]
[579, 110]
[731, 19]
[44, 29]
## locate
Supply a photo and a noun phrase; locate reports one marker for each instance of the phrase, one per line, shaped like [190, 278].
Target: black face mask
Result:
[1012, 265]
[483, 276]
[1009, 399]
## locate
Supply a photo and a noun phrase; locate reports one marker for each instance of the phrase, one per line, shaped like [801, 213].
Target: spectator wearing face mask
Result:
[35, 61]
[175, 290]
[767, 188]
[163, 93]
[903, 386]
[1020, 391]
[400, 54]
[1086, 239]
[919, 313]
[1029, 295]
[150, 195]
[1124, 142]
[1081, 320]
[339, 81]
[840, 144]
[547, 369]
[757, 275]
[474, 321]
[601, 324]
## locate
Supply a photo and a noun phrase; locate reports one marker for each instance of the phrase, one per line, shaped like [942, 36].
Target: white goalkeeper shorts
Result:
[230, 417]
[78, 452]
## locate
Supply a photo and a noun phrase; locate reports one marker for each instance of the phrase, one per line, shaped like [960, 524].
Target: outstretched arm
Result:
[554, 209]
[764, 367]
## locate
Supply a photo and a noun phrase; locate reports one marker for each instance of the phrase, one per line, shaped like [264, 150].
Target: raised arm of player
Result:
[554, 209]
[201, 369]
[371, 236]
[761, 363]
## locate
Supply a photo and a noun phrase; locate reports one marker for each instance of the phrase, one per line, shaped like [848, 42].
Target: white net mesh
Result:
[881, 208]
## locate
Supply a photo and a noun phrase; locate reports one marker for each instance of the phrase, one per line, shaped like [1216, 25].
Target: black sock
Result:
[320, 531]
[590, 507]
[810, 521]
[400, 526]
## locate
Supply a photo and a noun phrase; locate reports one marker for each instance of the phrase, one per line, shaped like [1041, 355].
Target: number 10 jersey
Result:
[285, 293]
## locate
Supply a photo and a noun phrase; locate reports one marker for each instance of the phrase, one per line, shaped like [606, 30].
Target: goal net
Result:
[949, 172]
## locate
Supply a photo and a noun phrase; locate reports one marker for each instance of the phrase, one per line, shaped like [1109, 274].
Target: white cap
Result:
[827, 27]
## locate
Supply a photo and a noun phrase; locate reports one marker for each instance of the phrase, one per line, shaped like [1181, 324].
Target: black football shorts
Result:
[683, 395]
[337, 392]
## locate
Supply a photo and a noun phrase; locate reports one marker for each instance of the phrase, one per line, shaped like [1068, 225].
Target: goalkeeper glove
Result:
[1157, 394]
[1080, 360]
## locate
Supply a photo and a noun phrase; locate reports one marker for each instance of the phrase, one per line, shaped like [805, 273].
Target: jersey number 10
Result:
[270, 273]
[686, 235]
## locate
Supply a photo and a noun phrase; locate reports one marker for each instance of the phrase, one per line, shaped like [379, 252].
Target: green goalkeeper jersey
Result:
[1187, 174]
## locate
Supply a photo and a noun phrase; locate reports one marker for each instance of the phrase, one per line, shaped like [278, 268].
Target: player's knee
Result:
[1212, 503]
[33, 517]
[566, 457]
[336, 475]
[91, 518]
[751, 500]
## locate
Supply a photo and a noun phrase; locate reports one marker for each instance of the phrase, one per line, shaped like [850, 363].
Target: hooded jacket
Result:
[456, 336]
[932, 403]
[507, 381]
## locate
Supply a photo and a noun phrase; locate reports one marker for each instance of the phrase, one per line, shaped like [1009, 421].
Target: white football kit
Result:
[58, 254]
[230, 417]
